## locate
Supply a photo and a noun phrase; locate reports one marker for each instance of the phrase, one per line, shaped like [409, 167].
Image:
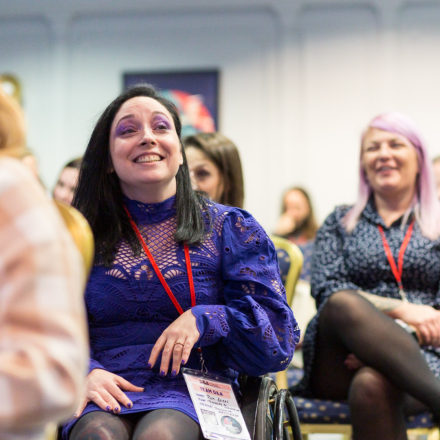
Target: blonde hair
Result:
[12, 127]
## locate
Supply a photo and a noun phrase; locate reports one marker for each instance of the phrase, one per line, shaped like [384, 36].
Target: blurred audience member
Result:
[297, 223]
[215, 167]
[374, 263]
[436, 166]
[31, 162]
[65, 187]
[43, 342]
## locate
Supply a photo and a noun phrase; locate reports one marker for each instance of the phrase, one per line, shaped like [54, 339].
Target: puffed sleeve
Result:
[255, 329]
[329, 273]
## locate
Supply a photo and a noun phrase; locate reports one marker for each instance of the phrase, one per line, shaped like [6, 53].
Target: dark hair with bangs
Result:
[99, 196]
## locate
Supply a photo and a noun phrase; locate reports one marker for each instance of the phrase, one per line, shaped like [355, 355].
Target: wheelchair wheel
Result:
[268, 411]
[257, 405]
[265, 410]
[284, 403]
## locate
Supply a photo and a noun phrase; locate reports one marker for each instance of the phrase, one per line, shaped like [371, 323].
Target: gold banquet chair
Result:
[83, 237]
[80, 231]
[290, 260]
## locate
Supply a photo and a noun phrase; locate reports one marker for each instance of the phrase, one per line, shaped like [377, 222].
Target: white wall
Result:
[299, 78]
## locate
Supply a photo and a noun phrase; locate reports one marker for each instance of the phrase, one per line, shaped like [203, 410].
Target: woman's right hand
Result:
[425, 319]
[105, 390]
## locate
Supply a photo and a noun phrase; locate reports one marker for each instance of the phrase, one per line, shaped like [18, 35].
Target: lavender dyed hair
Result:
[426, 205]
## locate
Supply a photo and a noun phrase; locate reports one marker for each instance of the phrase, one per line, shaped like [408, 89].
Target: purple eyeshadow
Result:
[162, 120]
[121, 128]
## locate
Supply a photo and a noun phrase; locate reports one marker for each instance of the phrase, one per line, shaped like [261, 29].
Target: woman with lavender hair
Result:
[374, 263]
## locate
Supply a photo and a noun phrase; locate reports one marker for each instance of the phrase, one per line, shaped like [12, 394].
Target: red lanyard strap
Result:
[397, 272]
[159, 273]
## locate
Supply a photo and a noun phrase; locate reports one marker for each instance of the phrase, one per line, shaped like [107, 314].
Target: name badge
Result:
[216, 406]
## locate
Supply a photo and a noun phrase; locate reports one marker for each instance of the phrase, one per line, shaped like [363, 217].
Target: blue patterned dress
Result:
[343, 261]
[242, 315]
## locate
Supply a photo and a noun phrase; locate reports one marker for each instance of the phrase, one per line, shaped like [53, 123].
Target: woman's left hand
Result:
[176, 341]
[425, 319]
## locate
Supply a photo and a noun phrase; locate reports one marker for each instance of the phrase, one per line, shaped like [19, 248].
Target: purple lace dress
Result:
[245, 323]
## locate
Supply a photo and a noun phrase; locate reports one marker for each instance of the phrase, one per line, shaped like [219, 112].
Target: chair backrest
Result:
[80, 230]
[290, 260]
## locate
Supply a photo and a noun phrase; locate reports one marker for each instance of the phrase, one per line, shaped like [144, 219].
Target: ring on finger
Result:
[179, 343]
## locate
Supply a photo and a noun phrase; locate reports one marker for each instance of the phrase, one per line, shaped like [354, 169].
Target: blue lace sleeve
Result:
[255, 329]
[93, 363]
[329, 274]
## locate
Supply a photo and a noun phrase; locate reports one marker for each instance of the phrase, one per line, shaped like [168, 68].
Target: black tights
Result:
[160, 424]
[395, 379]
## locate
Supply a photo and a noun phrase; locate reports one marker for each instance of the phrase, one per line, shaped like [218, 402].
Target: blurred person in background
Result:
[436, 167]
[43, 339]
[374, 263]
[297, 223]
[66, 184]
[30, 160]
[215, 167]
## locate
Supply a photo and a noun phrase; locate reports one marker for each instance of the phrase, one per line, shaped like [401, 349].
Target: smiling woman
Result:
[145, 150]
[374, 263]
[391, 168]
[175, 275]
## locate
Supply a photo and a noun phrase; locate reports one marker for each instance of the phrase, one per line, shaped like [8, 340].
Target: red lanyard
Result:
[159, 273]
[397, 272]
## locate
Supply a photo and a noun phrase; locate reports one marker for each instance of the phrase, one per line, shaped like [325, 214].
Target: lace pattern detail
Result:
[150, 213]
[252, 231]
[219, 325]
[244, 321]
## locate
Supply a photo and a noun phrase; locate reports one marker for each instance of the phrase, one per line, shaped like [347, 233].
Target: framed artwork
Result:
[195, 93]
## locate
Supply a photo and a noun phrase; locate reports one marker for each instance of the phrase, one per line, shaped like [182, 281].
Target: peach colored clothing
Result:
[43, 337]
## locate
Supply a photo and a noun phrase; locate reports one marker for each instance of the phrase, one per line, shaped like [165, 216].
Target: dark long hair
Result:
[74, 163]
[308, 227]
[223, 153]
[99, 197]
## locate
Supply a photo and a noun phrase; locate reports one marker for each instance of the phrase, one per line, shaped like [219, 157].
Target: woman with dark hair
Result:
[297, 223]
[163, 250]
[376, 264]
[66, 184]
[215, 167]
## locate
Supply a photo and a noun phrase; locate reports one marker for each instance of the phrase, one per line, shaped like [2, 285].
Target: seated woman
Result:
[373, 263]
[135, 190]
[215, 167]
[67, 181]
[297, 223]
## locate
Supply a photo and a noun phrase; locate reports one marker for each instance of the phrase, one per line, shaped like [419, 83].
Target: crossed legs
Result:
[161, 424]
[379, 393]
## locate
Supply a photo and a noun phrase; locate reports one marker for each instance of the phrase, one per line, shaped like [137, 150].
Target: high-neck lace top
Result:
[145, 214]
[241, 311]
